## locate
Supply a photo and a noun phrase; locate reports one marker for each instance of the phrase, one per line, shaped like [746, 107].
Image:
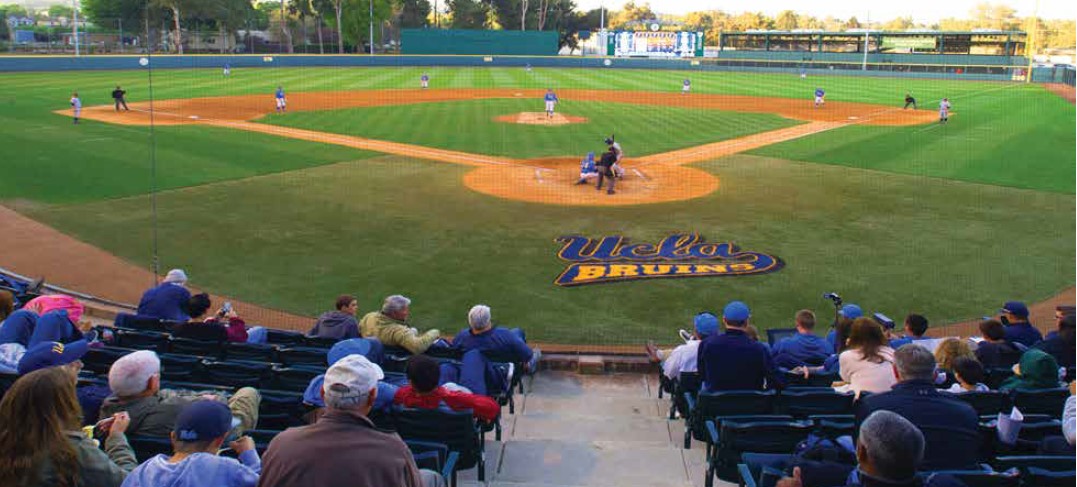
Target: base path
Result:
[648, 179]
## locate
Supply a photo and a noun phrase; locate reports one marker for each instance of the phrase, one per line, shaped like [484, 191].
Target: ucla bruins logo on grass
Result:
[611, 259]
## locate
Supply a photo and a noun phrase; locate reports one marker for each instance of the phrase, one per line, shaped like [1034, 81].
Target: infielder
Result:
[424, 81]
[282, 103]
[944, 110]
[615, 148]
[909, 100]
[587, 168]
[819, 95]
[551, 101]
[686, 86]
[76, 106]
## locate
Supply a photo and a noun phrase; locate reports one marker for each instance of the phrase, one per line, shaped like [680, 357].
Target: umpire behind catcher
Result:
[604, 167]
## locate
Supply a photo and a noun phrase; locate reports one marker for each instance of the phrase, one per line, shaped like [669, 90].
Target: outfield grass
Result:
[470, 126]
[898, 219]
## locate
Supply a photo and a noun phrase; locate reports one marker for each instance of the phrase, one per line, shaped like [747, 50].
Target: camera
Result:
[833, 297]
[883, 320]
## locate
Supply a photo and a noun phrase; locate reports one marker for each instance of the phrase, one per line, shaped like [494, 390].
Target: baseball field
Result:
[456, 195]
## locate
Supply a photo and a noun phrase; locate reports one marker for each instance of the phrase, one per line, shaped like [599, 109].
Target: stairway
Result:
[576, 430]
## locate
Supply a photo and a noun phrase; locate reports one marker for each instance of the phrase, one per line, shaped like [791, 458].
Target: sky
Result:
[921, 10]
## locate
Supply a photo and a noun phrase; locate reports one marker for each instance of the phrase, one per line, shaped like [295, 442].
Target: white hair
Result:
[131, 373]
[479, 317]
[176, 276]
[395, 303]
[894, 445]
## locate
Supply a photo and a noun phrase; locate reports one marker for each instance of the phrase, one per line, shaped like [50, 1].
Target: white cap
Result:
[357, 374]
[176, 276]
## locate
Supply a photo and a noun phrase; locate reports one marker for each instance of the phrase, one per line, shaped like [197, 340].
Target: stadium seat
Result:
[455, 429]
[687, 383]
[280, 410]
[303, 356]
[319, 342]
[833, 425]
[250, 351]
[294, 378]
[993, 377]
[986, 403]
[434, 456]
[734, 437]
[804, 403]
[6, 380]
[206, 332]
[1041, 477]
[709, 405]
[197, 387]
[137, 322]
[262, 436]
[147, 447]
[237, 374]
[774, 335]
[99, 360]
[981, 478]
[185, 346]
[284, 337]
[1040, 401]
[1054, 463]
[813, 380]
[181, 368]
[141, 340]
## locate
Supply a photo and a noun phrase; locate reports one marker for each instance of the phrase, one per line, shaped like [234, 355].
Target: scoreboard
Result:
[654, 44]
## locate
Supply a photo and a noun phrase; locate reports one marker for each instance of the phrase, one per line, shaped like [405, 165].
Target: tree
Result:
[631, 13]
[321, 9]
[133, 15]
[60, 10]
[786, 20]
[467, 14]
[176, 8]
[303, 10]
[510, 14]
[229, 15]
[900, 23]
[414, 13]
[355, 20]
[543, 10]
[852, 23]
[998, 17]
[286, 35]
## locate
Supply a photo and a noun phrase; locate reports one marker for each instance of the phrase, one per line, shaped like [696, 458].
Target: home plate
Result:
[518, 94]
[854, 118]
[193, 117]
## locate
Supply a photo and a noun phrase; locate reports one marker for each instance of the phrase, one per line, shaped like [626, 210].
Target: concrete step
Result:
[555, 383]
[591, 463]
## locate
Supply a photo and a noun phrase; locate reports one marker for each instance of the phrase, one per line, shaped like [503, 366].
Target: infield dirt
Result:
[649, 179]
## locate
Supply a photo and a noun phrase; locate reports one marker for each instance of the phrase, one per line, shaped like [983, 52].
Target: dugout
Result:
[478, 42]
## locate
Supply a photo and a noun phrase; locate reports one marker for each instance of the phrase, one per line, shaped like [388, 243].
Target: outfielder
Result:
[424, 81]
[615, 148]
[686, 86]
[76, 106]
[551, 101]
[819, 95]
[282, 103]
[227, 69]
[587, 168]
[944, 110]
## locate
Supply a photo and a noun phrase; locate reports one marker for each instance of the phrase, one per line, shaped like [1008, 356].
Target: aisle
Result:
[591, 431]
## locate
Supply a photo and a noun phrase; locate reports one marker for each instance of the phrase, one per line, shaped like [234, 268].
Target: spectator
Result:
[391, 327]
[369, 348]
[41, 441]
[753, 334]
[1060, 344]
[236, 329]
[339, 324]
[732, 361]
[210, 329]
[1069, 416]
[423, 392]
[968, 376]
[482, 334]
[803, 349]
[949, 425]
[847, 313]
[55, 326]
[15, 334]
[7, 304]
[343, 449]
[915, 328]
[684, 357]
[995, 351]
[50, 302]
[1018, 329]
[868, 363]
[1061, 312]
[167, 300]
[201, 429]
[1036, 370]
[952, 349]
[135, 380]
[55, 354]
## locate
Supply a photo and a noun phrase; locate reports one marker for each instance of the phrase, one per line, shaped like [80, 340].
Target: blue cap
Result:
[204, 420]
[706, 324]
[851, 311]
[343, 348]
[313, 395]
[51, 354]
[736, 311]
[1015, 308]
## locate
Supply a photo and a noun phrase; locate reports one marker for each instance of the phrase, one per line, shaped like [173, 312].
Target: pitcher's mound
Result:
[540, 118]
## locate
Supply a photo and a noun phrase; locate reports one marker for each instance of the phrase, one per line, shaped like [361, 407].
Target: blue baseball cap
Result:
[706, 324]
[51, 354]
[204, 420]
[736, 311]
[851, 311]
[1016, 308]
[352, 346]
